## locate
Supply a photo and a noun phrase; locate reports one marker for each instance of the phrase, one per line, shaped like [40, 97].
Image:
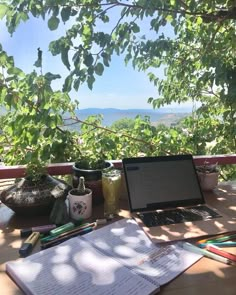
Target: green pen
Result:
[52, 237]
[221, 239]
[64, 228]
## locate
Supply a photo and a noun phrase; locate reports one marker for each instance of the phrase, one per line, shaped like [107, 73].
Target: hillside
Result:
[110, 115]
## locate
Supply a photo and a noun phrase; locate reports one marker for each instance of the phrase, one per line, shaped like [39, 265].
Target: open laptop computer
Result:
[166, 199]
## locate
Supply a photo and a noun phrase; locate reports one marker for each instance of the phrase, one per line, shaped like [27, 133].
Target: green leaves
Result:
[88, 60]
[3, 10]
[99, 68]
[65, 13]
[192, 58]
[53, 23]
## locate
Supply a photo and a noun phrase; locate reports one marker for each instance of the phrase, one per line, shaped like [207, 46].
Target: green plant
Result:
[31, 129]
[35, 171]
[208, 168]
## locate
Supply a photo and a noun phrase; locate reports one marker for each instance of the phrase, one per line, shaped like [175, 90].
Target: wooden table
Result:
[205, 277]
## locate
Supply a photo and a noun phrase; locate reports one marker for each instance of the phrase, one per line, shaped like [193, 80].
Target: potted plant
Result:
[91, 169]
[80, 201]
[208, 176]
[36, 193]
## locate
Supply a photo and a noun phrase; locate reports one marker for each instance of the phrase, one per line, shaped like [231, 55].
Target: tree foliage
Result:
[194, 41]
[199, 54]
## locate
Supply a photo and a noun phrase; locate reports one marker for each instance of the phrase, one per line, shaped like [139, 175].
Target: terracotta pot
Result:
[208, 181]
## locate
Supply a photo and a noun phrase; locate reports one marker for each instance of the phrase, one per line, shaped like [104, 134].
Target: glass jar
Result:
[111, 186]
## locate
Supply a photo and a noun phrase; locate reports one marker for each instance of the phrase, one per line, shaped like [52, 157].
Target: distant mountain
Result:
[165, 116]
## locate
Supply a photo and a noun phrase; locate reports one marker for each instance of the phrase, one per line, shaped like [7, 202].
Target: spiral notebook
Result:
[118, 258]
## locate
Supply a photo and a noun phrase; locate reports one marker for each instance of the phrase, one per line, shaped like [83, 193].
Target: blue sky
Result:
[119, 87]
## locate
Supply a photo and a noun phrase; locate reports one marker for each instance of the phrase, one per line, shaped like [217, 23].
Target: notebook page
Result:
[126, 241]
[73, 268]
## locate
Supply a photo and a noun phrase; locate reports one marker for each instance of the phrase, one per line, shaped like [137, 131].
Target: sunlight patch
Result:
[124, 251]
[64, 273]
[94, 263]
[118, 231]
[29, 271]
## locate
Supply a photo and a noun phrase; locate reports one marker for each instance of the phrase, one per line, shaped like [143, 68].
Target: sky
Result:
[120, 86]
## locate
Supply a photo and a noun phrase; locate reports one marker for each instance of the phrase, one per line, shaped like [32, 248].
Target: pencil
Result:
[218, 251]
[195, 249]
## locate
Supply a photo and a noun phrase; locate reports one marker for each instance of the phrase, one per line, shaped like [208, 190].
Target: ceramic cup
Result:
[80, 206]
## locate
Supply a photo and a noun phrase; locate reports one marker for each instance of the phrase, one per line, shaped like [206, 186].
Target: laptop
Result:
[166, 200]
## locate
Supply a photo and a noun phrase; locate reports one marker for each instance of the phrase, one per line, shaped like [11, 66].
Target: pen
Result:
[219, 238]
[66, 227]
[66, 237]
[29, 243]
[194, 249]
[218, 251]
[78, 228]
[223, 239]
[26, 232]
[218, 244]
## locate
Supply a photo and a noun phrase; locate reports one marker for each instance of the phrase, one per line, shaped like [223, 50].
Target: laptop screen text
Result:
[159, 183]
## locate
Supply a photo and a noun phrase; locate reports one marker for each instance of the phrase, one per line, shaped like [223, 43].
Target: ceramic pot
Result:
[80, 206]
[208, 181]
[26, 197]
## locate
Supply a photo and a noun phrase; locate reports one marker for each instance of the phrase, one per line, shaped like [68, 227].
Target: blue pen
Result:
[218, 244]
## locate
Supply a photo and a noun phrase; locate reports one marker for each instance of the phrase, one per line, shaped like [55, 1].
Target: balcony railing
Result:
[7, 172]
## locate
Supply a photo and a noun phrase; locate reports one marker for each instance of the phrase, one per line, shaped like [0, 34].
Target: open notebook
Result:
[166, 199]
[116, 259]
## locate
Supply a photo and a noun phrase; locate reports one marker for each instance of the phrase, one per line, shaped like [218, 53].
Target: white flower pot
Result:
[208, 181]
[80, 206]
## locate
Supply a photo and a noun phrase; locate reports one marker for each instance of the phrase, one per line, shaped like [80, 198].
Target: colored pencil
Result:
[218, 251]
[197, 250]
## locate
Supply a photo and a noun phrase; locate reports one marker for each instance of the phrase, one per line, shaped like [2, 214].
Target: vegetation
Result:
[197, 54]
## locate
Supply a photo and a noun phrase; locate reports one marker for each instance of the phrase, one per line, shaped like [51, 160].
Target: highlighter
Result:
[26, 232]
[66, 227]
[29, 243]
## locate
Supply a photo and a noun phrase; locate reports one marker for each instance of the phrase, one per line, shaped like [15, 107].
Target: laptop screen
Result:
[161, 182]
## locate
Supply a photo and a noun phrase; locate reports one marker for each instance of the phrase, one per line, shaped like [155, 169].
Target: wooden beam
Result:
[7, 172]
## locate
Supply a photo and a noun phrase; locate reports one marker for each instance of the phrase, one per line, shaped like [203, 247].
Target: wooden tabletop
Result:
[205, 277]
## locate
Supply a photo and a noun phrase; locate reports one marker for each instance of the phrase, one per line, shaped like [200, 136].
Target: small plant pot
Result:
[208, 181]
[93, 181]
[80, 206]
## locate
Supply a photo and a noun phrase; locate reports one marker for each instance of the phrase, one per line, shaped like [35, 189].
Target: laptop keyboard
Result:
[179, 215]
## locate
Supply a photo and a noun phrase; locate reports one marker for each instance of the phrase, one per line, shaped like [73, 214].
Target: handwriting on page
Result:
[76, 268]
[127, 243]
